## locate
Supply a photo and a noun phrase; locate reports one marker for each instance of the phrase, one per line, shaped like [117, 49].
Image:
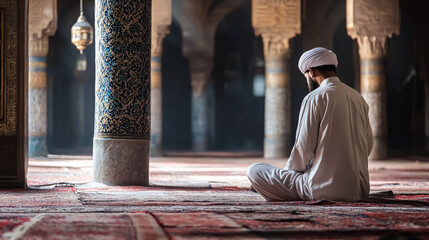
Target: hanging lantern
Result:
[82, 32]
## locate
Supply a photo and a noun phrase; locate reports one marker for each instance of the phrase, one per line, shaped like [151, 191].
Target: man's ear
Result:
[312, 73]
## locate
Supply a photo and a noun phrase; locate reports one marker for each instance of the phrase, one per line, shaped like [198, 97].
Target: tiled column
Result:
[277, 102]
[37, 114]
[42, 23]
[372, 23]
[122, 110]
[277, 22]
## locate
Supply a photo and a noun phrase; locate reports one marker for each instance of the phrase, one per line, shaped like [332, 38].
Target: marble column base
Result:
[379, 150]
[37, 146]
[121, 161]
[276, 147]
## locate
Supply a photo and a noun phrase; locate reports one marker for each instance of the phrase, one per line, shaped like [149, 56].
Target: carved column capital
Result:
[276, 43]
[372, 47]
[39, 45]
[42, 21]
[277, 21]
[198, 83]
[371, 22]
[161, 21]
[158, 36]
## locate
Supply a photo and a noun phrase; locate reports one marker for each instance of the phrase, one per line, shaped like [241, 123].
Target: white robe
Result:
[330, 157]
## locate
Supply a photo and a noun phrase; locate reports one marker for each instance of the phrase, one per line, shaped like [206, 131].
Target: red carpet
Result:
[89, 226]
[207, 200]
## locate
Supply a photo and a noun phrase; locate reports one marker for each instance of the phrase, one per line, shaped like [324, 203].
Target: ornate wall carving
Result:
[282, 15]
[9, 124]
[13, 128]
[373, 18]
[2, 69]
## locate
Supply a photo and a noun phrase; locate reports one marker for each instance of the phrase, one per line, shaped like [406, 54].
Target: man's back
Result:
[334, 137]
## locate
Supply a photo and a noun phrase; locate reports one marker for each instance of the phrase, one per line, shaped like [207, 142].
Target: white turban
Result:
[317, 57]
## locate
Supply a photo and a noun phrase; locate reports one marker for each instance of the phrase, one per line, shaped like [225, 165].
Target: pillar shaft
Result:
[372, 51]
[42, 23]
[161, 21]
[37, 105]
[277, 28]
[373, 90]
[371, 31]
[156, 106]
[199, 111]
[158, 35]
[277, 105]
[122, 110]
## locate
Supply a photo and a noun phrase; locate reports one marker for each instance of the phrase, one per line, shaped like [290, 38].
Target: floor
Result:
[207, 197]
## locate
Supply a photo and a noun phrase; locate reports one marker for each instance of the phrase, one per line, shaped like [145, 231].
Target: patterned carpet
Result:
[207, 199]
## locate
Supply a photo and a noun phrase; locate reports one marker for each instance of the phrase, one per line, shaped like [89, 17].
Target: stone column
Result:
[122, 108]
[277, 98]
[373, 88]
[161, 21]
[42, 24]
[199, 118]
[200, 56]
[277, 21]
[371, 22]
[37, 106]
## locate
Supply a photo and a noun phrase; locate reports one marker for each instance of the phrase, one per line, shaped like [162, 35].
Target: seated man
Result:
[333, 141]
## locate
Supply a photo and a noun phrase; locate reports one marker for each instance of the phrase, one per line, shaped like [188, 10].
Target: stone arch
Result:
[343, 48]
[239, 115]
[70, 92]
[405, 92]
[176, 88]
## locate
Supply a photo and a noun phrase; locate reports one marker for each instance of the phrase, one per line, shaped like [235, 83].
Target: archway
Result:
[405, 94]
[239, 113]
[176, 88]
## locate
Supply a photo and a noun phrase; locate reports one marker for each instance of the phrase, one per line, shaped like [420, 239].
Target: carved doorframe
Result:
[13, 133]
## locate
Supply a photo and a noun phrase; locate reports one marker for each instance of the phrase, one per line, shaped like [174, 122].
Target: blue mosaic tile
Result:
[123, 57]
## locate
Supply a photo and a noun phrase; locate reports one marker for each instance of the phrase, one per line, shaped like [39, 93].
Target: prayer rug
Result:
[148, 195]
[88, 226]
[9, 222]
[203, 225]
[18, 198]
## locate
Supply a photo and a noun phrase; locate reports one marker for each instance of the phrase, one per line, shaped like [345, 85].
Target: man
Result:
[333, 141]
